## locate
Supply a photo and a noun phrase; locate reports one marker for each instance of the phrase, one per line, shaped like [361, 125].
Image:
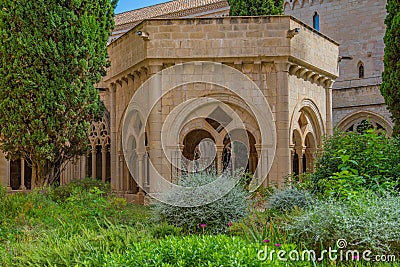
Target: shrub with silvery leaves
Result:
[215, 217]
[288, 198]
[368, 222]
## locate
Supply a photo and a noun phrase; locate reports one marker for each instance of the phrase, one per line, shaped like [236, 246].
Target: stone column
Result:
[282, 122]
[22, 186]
[126, 179]
[119, 183]
[94, 152]
[155, 119]
[220, 167]
[83, 167]
[329, 119]
[8, 176]
[310, 153]
[147, 169]
[140, 173]
[113, 137]
[103, 164]
[233, 158]
[292, 152]
[300, 150]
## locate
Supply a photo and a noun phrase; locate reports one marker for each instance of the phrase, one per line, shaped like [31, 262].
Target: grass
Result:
[83, 224]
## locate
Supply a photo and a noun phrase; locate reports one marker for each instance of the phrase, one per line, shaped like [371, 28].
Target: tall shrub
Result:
[255, 7]
[351, 162]
[52, 52]
[390, 77]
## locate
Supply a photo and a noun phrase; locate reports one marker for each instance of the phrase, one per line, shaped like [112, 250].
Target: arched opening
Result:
[297, 153]
[98, 161]
[237, 154]
[309, 155]
[365, 120]
[361, 70]
[199, 153]
[316, 21]
[20, 175]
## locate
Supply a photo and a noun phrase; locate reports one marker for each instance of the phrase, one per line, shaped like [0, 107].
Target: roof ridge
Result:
[161, 9]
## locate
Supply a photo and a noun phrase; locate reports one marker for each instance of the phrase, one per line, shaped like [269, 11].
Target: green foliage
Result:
[390, 76]
[216, 215]
[62, 193]
[367, 222]
[353, 162]
[29, 218]
[163, 229]
[289, 198]
[52, 53]
[117, 246]
[3, 193]
[255, 7]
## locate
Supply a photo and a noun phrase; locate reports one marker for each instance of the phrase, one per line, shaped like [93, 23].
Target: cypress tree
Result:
[52, 52]
[390, 87]
[255, 7]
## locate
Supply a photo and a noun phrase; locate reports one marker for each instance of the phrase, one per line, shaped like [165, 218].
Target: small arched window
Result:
[360, 70]
[316, 21]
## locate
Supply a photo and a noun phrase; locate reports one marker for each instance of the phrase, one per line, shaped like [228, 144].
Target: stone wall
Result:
[358, 26]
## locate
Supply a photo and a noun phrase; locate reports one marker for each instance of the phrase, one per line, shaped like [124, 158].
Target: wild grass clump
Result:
[214, 217]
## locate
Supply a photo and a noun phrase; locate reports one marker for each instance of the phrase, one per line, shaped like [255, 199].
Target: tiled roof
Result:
[161, 10]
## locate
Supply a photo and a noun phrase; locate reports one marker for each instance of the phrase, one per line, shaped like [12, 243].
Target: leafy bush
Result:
[352, 162]
[288, 198]
[368, 222]
[3, 192]
[162, 230]
[63, 192]
[214, 217]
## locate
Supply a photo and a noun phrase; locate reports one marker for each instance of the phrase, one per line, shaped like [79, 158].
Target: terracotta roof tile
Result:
[161, 10]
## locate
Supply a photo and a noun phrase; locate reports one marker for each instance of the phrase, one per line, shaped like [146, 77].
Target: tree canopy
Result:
[390, 87]
[255, 7]
[52, 52]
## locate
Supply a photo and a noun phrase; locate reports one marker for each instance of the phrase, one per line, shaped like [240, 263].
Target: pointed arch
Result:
[361, 70]
[351, 121]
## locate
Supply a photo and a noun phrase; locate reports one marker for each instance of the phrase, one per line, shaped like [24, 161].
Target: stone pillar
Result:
[126, 179]
[103, 164]
[147, 169]
[113, 137]
[155, 119]
[300, 150]
[258, 167]
[22, 186]
[83, 167]
[282, 122]
[121, 162]
[141, 173]
[220, 167]
[329, 118]
[233, 158]
[8, 176]
[94, 152]
[310, 153]
[292, 152]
